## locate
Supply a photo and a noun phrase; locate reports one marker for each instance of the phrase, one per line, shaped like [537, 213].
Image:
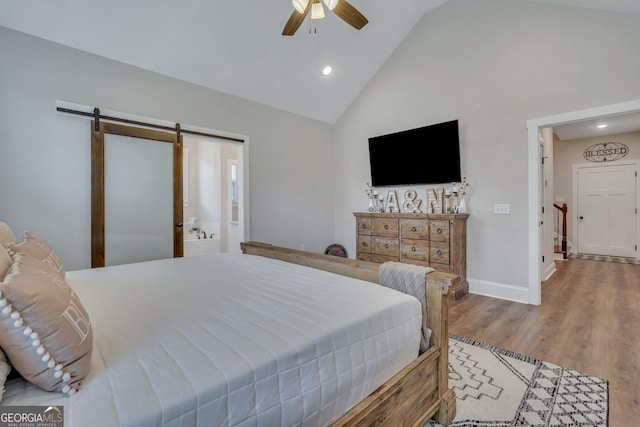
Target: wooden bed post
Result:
[418, 392]
[437, 302]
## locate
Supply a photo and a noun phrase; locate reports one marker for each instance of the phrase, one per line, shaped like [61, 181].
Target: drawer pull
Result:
[364, 244]
[386, 246]
[413, 249]
[439, 230]
[386, 227]
[364, 225]
[439, 252]
[413, 229]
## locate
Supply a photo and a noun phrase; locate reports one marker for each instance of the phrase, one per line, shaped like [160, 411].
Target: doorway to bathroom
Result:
[213, 191]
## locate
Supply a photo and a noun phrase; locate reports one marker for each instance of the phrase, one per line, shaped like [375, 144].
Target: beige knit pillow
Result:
[38, 248]
[44, 329]
[5, 368]
[6, 234]
[5, 261]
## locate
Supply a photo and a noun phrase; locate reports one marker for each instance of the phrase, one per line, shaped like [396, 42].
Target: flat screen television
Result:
[426, 155]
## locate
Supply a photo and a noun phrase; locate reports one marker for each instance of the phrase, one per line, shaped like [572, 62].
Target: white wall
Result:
[44, 157]
[190, 154]
[210, 184]
[229, 239]
[487, 63]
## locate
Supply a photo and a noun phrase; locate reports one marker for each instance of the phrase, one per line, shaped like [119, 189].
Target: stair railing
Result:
[564, 210]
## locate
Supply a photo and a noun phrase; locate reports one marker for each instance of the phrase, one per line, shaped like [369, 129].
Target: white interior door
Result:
[606, 211]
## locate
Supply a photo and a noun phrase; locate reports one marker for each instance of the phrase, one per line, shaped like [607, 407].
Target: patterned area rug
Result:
[496, 387]
[605, 258]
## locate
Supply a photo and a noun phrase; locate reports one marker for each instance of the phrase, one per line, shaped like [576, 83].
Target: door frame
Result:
[574, 196]
[533, 154]
[97, 183]
[230, 223]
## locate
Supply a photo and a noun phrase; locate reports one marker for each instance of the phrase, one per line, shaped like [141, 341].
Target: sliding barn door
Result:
[136, 195]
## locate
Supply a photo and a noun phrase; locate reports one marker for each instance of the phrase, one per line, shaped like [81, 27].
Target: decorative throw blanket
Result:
[409, 279]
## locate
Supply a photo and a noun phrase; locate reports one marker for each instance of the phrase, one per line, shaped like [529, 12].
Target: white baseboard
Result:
[549, 271]
[499, 290]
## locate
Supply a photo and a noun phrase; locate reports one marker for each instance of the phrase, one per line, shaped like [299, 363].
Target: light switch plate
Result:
[502, 209]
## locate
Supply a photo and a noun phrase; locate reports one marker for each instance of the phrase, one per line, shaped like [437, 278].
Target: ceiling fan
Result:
[342, 8]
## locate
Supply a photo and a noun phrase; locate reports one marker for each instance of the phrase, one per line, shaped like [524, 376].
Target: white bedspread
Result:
[231, 340]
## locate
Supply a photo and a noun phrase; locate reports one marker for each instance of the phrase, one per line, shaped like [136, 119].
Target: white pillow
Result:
[6, 234]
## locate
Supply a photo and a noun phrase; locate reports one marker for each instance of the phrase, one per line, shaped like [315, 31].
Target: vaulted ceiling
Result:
[236, 46]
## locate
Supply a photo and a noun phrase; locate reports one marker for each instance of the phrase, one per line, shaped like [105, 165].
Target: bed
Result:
[271, 337]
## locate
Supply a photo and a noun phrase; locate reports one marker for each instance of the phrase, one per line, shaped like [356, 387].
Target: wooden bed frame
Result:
[420, 391]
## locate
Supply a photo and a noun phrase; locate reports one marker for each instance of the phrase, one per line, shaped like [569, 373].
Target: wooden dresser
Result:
[433, 240]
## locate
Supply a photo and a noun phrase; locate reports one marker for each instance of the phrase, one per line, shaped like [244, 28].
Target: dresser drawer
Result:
[439, 231]
[382, 258]
[364, 257]
[365, 243]
[439, 253]
[419, 262]
[365, 226]
[414, 229]
[444, 268]
[387, 227]
[414, 249]
[386, 246]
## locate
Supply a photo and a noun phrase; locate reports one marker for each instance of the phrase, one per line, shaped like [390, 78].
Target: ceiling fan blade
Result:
[295, 20]
[350, 14]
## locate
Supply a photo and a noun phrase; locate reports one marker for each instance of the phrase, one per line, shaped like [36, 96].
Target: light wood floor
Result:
[589, 321]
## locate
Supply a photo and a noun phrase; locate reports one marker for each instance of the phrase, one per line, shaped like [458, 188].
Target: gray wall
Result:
[44, 157]
[492, 64]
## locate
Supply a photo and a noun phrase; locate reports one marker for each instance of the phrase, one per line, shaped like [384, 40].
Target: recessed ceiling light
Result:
[327, 70]
[602, 126]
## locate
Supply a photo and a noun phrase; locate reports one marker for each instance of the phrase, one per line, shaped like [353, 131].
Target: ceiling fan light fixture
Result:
[300, 5]
[341, 8]
[317, 11]
[331, 4]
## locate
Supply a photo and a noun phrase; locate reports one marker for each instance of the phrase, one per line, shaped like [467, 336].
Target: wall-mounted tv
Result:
[426, 155]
